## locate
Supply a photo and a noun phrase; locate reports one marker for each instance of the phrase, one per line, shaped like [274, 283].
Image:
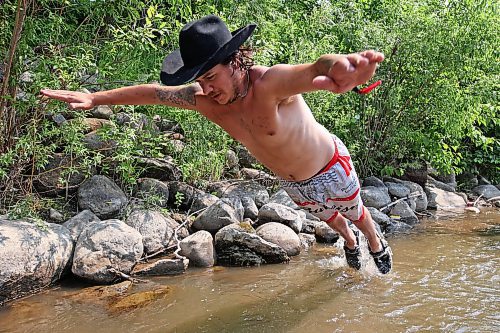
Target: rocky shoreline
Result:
[243, 221]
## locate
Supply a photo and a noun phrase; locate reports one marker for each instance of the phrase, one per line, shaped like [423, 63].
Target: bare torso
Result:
[283, 135]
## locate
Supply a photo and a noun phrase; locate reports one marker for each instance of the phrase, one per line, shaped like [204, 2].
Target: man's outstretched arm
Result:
[335, 73]
[186, 97]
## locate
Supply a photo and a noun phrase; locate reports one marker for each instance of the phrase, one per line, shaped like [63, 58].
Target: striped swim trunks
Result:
[335, 189]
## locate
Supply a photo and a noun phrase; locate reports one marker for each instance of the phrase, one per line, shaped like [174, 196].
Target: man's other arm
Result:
[335, 73]
[187, 96]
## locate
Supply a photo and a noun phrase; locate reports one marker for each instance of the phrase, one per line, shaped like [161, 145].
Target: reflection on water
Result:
[445, 279]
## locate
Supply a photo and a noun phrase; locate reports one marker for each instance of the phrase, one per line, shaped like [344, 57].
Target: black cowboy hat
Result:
[203, 44]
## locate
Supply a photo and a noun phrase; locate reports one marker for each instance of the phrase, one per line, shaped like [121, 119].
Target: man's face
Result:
[219, 84]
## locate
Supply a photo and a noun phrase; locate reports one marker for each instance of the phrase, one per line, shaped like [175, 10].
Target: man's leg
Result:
[351, 240]
[339, 224]
[367, 227]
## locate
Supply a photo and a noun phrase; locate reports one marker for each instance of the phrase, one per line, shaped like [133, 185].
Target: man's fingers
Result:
[323, 82]
[79, 106]
[357, 59]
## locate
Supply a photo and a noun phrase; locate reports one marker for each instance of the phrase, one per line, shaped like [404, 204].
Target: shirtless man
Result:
[262, 108]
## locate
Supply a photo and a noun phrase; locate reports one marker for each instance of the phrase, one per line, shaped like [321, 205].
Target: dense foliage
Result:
[438, 102]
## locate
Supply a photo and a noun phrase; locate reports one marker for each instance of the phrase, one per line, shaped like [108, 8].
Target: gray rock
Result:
[26, 77]
[419, 175]
[443, 200]
[199, 249]
[154, 227]
[375, 197]
[237, 205]
[246, 159]
[159, 168]
[95, 142]
[188, 197]
[374, 181]
[449, 179]
[102, 196]
[251, 210]
[236, 247]
[166, 125]
[398, 227]
[273, 212]
[148, 188]
[487, 191]
[218, 215]
[260, 176]
[242, 189]
[420, 200]
[102, 112]
[48, 179]
[397, 190]
[55, 216]
[403, 210]
[106, 246]
[439, 185]
[325, 234]
[309, 226]
[77, 223]
[280, 235]
[307, 241]
[31, 257]
[282, 198]
[380, 218]
[482, 181]
[231, 159]
[162, 267]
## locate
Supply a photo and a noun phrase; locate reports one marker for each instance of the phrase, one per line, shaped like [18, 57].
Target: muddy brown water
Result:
[446, 278]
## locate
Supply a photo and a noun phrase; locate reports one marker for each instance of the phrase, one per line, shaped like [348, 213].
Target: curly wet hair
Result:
[241, 59]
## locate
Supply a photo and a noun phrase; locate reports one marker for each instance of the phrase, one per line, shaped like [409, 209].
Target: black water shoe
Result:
[353, 256]
[383, 258]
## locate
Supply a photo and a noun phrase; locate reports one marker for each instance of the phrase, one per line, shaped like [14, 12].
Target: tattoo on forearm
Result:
[183, 96]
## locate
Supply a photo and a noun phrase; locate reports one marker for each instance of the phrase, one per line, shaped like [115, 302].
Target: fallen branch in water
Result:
[411, 195]
[126, 277]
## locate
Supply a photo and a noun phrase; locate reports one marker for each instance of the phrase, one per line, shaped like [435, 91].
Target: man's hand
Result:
[346, 72]
[76, 100]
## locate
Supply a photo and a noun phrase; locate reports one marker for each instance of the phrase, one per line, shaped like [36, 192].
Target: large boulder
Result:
[397, 190]
[440, 185]
[32, 256]
[404, 212]
[281, 235]
[242, 189]
[375, 197]
[102, 196]
[440, 199]
[380, 218]
[156, 229]
[105, 248]
[487, 191]
[273, 212]
[199, 249]
[218, 215]
[282, 198]
[237, 247]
